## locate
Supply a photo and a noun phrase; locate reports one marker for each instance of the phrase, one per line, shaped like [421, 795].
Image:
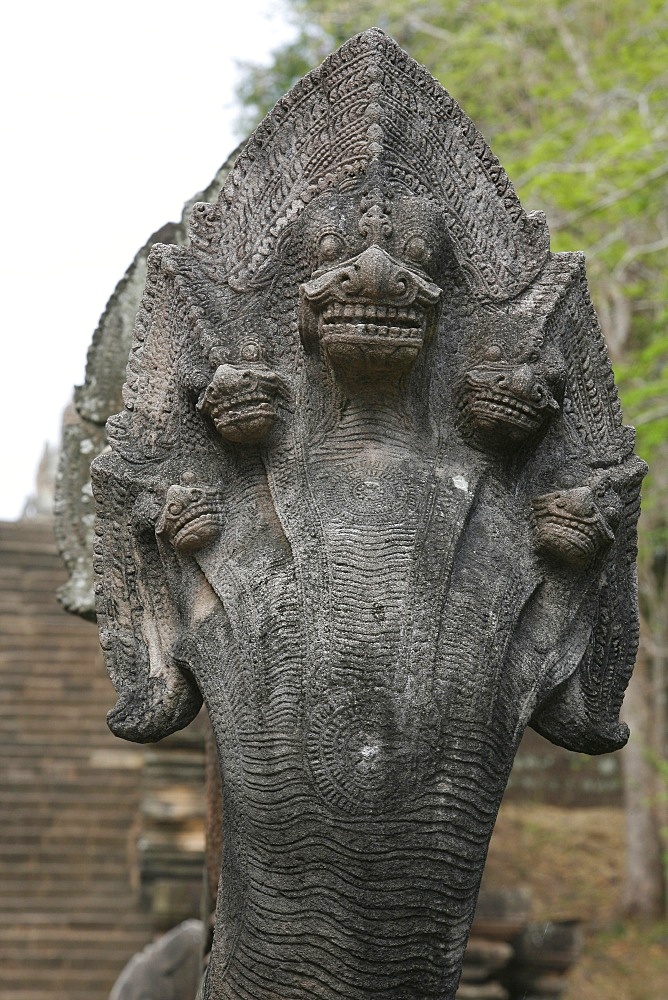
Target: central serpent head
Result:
[370, 302]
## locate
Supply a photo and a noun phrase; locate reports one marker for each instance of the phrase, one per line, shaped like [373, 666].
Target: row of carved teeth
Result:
[239, 402]
[370, 330]
[558, 521]
[568, 526]
[508, 402]
[337, 312]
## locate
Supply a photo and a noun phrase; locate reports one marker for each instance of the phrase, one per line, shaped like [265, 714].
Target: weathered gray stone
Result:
[83, 432]
[168, 969]
[371, 499]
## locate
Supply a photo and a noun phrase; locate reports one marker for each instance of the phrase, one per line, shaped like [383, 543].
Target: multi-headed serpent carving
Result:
[371, 499]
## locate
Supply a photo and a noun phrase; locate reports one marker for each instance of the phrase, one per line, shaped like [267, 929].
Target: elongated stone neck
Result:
[375, 418]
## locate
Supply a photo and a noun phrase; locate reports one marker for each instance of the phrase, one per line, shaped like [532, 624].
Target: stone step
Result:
[54, 993]
[82, 779]
[90, 979]
[29, 743]
[62, 806]
[70, 918]
[36, 922]
[46, 870]
[111, 900]
[54, 934]
[67, 826]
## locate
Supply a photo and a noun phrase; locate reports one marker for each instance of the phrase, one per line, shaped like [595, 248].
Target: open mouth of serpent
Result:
[355, 322]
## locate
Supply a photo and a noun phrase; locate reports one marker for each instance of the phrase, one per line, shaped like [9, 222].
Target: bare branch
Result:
[572, 49]
[656, 413]
[633, 252]
[617, 195]
[418, 24]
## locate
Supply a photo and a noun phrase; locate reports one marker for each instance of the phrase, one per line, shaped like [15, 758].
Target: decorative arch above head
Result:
[371, 108]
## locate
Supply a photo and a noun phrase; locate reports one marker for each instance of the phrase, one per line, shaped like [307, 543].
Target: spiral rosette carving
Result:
[361, 762]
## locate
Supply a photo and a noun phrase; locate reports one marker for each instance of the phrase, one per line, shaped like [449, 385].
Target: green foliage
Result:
[643, 380]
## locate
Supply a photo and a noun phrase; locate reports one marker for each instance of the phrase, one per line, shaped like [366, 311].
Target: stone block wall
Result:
[70, 914]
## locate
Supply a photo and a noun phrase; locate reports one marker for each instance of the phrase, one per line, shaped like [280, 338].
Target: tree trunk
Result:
[645, 887]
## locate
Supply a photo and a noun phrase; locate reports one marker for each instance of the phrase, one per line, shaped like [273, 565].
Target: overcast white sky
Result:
[113, 115]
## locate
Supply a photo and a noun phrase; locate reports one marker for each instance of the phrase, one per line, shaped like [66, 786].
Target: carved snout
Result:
[372, 276]
[571, 527]
[241, 401]
[522, 383]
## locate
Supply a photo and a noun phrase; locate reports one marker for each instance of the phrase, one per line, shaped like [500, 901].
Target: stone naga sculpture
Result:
[371, 499]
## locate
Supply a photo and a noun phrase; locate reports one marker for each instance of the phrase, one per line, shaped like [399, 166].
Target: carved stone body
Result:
[370, 499]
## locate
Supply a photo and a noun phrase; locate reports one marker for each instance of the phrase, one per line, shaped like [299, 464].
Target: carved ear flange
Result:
[571, 527]
[503, 404]
[241, 399]
[192, 516]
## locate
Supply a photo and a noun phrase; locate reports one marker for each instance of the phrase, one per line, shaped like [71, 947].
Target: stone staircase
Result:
[69, 796]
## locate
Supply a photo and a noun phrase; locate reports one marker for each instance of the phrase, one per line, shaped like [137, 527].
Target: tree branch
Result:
[633, 252]
[617, 195]
[572, 49]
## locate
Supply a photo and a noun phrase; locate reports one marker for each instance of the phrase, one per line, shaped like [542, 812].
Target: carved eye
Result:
[416, 249]
[330, 247]
[251, 351]
[555, 376]
[612, 515]
[493, 353]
